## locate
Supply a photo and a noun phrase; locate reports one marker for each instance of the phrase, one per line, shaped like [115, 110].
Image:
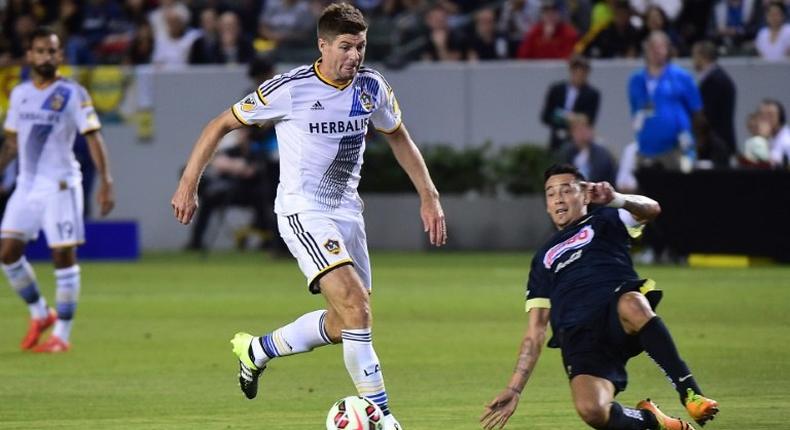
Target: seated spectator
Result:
[566, 97]
[141, 47]
[207, 45]
[286, 21]
[655, 19]
[440, 42]
[104, 28]
[773, 40]
[172, 49]
[757, 148]
[618, 39]
[516, 18]
[736, 22]
[227, 47]
[592, 159]
[551, 38]
[773, 112]
[670, 8]
[485, 44]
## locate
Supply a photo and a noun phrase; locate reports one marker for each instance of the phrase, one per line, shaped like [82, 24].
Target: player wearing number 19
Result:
[321, 113]
[43, 118]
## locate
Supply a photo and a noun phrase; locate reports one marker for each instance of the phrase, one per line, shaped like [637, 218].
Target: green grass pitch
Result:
[151, 346]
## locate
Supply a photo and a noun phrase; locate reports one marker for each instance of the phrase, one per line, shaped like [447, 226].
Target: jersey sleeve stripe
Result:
[538, 303]
[261, 97]
[281, 83]
[237, 116]
[392, 130]
[268, 84]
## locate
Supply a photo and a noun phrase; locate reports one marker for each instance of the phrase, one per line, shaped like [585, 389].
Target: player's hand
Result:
[433, 221]
[184, 202]
[601, 193]
[499, 410]
[105, 198]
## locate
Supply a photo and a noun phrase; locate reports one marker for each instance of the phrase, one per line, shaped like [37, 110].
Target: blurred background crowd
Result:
[177, 32]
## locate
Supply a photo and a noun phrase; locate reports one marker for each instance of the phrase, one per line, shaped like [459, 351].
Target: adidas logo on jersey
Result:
[317, 106]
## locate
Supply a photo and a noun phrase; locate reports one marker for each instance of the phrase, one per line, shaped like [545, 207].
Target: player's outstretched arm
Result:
[184, 200]
[498, 411]
[9, 150]
[98, 151]
[644, 209]
[410, 159]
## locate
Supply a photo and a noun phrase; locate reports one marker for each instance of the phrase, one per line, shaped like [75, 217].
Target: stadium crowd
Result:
[177, 32]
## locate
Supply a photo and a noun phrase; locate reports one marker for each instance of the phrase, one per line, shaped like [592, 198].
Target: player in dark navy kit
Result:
[583, 283]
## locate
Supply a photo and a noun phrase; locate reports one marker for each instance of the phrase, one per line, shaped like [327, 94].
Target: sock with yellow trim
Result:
[363, 365]
[303, 335]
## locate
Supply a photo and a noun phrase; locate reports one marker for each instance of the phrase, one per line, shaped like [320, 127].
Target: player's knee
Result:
[10, 255]
[593, 413]
[634, 310]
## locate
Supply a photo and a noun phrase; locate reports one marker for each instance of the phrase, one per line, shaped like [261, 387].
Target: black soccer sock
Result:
[622, 418]
[658, 344]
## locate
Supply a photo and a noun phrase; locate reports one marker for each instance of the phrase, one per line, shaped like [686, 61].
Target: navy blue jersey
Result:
[577, 271]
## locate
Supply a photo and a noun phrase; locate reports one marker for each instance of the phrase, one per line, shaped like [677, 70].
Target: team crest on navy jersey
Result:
[332, 246]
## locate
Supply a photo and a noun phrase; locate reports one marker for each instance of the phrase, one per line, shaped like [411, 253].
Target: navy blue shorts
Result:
[600, 347]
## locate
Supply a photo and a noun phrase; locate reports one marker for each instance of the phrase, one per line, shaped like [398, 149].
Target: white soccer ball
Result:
[354, 413]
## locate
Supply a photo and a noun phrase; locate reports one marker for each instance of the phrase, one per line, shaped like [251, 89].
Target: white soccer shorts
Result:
[321, 242]
[56, 211]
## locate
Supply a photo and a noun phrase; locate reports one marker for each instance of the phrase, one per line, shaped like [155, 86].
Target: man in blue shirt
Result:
[664, 102]
[583, 283]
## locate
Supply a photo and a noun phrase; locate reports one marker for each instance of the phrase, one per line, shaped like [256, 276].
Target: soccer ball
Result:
[354, 413]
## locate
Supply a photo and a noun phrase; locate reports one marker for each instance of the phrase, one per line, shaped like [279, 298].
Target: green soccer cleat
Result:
[248, 371]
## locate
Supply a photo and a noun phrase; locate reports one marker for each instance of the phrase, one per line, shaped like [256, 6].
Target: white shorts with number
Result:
[322, 242]
[56, 211]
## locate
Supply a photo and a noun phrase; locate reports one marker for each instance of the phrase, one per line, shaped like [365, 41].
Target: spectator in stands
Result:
[655, 19]
[440, 42]
[229, 46]
[485, 43]
[757, 148]
[579, 13]
[773, 40]
[286, 21]
[618, 39]
[23, 27]
[736, 22]
[664, 103]
[551, 38]
[575, 95]
[172, 49]
[718, 94]
[141, 47]
[592, 159]
[157, 16]
[516, 19]
[206, 46]
[670, 8]
[772, 111]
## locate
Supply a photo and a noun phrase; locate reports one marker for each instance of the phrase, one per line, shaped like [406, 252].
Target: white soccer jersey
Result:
[321, 131]
[46, 122]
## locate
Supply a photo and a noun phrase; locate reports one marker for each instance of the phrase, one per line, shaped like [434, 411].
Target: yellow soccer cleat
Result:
[248, 371]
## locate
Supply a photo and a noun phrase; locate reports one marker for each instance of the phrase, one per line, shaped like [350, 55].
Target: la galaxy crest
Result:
[58, 99]
[248, 104]
[332, 246]
[365, 100]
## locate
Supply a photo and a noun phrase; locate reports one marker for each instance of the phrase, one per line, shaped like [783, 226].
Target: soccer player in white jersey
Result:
[45, 113]
[321, 113]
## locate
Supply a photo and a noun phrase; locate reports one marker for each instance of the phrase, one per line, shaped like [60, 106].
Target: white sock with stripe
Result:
[23, 280]
[303, 335]
[363, 365]
[66, 296]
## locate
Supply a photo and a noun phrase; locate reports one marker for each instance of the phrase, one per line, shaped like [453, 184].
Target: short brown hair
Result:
[340, 18]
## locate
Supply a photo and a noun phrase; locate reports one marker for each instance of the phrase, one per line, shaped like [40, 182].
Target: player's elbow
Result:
[654, 210]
